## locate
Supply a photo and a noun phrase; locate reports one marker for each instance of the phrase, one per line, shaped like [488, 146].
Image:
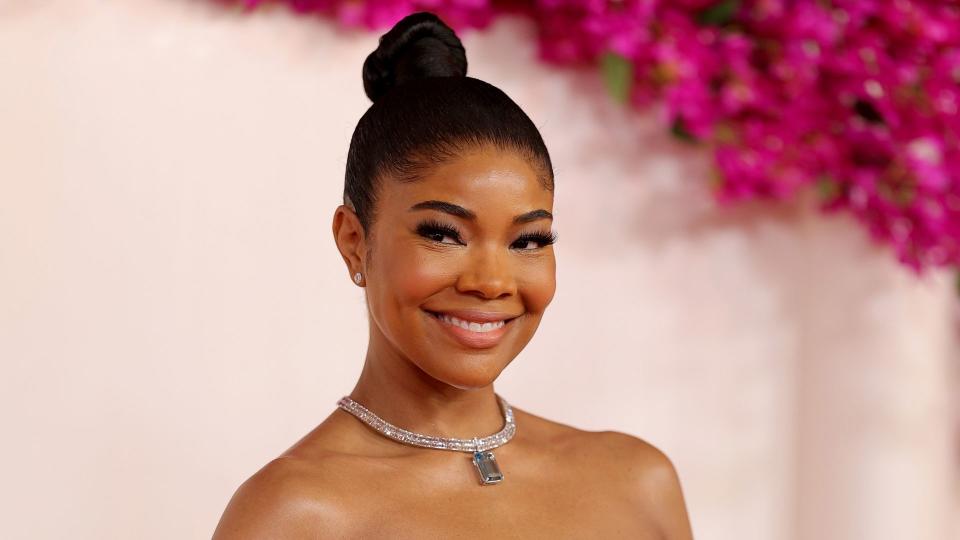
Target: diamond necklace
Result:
[483, 459]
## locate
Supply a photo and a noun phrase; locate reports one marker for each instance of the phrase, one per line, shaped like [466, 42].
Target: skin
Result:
[343, 480]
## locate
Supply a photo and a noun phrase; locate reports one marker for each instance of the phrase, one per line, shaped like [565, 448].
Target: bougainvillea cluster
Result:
[857, 99]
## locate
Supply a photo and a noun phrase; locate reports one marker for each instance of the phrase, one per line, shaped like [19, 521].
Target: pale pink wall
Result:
[173, 312]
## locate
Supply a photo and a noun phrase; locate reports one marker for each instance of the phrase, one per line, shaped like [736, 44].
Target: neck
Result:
[395, 389]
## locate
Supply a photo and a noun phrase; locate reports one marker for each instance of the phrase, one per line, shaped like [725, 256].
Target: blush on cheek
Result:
[415, 278]
[537, 286]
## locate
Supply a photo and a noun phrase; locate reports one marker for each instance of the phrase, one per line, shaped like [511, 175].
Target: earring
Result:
[357, 277]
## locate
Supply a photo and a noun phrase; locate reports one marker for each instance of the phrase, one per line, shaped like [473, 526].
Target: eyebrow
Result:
[461, 212]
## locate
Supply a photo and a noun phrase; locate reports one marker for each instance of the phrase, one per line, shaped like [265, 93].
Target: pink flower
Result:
[859, 99]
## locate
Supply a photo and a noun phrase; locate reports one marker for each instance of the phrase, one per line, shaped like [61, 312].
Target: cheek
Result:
[416, 274]
[538, 285]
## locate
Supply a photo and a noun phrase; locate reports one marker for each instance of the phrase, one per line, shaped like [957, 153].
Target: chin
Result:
[466, 372]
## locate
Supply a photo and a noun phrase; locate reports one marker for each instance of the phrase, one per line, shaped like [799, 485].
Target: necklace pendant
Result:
[486, 464]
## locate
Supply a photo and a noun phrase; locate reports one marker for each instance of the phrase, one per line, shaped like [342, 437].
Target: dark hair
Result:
[426, 110]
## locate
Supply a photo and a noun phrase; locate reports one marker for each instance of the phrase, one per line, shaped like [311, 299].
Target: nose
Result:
[488, 273]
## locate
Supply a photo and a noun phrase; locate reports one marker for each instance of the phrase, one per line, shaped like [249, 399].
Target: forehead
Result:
[485, 180]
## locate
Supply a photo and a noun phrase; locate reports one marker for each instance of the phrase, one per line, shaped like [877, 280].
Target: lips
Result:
[473, 329]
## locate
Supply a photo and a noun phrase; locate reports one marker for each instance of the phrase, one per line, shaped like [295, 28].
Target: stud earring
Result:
[357, 277]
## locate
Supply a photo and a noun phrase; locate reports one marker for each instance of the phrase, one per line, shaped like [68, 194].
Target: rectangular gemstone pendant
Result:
[486, 464]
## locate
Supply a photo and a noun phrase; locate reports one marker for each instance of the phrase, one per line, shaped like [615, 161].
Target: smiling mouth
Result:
[471, 326]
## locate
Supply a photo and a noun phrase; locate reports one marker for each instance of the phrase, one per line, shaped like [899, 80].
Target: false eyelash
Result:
[430, 227]
[541, 238]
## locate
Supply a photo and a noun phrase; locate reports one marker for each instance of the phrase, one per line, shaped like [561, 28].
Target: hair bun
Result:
[419, 46]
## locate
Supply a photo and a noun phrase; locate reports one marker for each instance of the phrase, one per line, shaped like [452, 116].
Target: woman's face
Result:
[461, 266]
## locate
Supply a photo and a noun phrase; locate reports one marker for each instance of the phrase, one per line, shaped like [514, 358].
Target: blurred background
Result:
[174, 314]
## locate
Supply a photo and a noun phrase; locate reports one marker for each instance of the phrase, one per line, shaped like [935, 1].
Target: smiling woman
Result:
[465, 246]
[446, 223]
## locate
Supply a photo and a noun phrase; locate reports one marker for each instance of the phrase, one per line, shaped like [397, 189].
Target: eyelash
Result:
[430, 228]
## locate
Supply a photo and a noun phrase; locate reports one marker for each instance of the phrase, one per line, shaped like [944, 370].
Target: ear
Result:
[351, 241]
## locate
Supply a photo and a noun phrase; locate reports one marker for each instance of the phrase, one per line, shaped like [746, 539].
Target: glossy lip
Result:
[467, 338]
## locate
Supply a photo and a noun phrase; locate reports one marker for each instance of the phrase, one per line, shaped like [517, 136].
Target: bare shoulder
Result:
[639, 463]
[625, 465]
[640, 460]
[284, 499]
[649, 475]
[306, 492]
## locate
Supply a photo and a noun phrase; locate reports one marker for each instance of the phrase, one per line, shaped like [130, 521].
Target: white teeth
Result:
[472, 326]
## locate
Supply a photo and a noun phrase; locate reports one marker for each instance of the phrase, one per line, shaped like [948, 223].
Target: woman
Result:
[446, 223]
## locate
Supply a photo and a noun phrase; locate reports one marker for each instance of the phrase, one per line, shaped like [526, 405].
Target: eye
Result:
[438, 232]
[537, 239]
